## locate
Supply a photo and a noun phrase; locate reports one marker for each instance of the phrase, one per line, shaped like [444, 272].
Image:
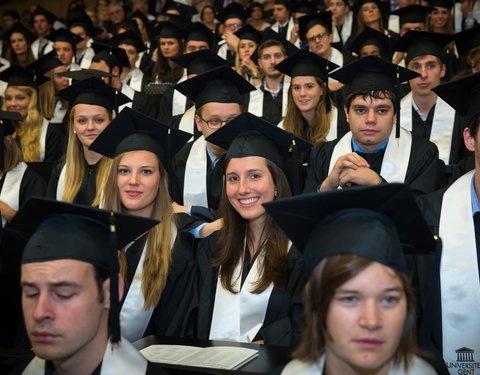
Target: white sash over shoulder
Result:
[459, 278]
[10, 193]
[195, 180]
[43, 138]
[61, 183]
[179, 100]
[255, 103]
[187, 122]
[442, 125]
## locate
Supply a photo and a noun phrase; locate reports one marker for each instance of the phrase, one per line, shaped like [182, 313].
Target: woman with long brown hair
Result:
[169, 46]
[360, 307]
[19, 49]
[158, 267]
[250, 277]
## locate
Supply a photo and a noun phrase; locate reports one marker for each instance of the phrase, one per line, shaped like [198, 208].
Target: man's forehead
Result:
[272, 50]
[56, 269]
[316, 29]
[371, 101]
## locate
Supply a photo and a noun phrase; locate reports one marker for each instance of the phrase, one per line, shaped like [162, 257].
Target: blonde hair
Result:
[47, 99]
[12, 155]
[29, 130]
[75, 170]
[159, 241]
[317, 132]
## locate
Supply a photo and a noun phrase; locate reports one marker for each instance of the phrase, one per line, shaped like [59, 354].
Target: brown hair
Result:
[270, 43]
[162, 66]
[361, 24]
[47, 99]
[159, 242]
[318, 131]
[12, 57]
[11, 153]
[326, 278]
[230, 245]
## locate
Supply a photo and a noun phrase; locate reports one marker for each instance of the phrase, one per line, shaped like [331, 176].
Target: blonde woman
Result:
[39, 139]
[78, 177]
[159, 266]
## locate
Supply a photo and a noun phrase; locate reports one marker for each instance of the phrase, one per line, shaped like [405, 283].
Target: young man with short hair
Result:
[342, 20]
[284, 23]
[42, 21]
[374, 151]
[233, 17]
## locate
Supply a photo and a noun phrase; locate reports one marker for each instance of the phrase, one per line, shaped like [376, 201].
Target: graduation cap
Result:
[21, 29]
[220, 85]
[166, 29]
[60, 230]
[441, 3]
[383, 222]
[412, 14]
[140, 15]
[63, 35]
[372, 73]
[463, 95]
[199, 62]
[185, 11]
[6, 128]
[248, 32]
[114, 56]
[16, 75]
[285, 3]
[359, 3]
[248, 135]
[233, 10]
[467, 40]
[305, 23]
[305, 63]
[93, 91]
[45, 63]
[304, 7]
[48, 15]
[130, 38]
[269, 34]
[79, 75]
[82, 19]
[370, 37]
[421, 43]
[196, 31]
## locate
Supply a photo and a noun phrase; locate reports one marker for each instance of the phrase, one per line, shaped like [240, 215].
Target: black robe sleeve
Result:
[55, 144]
[32, 185]
[318, 165]
[53, 181]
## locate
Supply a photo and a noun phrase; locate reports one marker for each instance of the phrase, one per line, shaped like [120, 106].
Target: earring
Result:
[74, 132]
[275, 193]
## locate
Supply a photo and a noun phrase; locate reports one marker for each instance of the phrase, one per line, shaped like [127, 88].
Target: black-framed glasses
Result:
[215, 123]
[319, 36]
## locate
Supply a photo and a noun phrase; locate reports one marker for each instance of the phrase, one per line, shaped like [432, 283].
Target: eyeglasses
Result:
[215, 123]
[232, 25]
[319, 36]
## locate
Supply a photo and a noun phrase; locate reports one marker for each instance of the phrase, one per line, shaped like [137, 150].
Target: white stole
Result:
[222, 49]
[87, 58]
[134, 318]
[459, 278]
[394, 23]
[121, 359]
[239, 316]
[346, 30]
[442, 125]
[290, 25]
[187, 121]
[58, 113]
[255, 103]
[336, 58]
[43, 138]
[10, 193]
[61, 183]
[128, 91]
[136, 80]
[179, 100]
[395, 160]
[195, 180]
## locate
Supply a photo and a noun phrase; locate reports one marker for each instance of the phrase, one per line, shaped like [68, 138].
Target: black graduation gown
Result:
[144, 104]
[55, 143]
[425, 172]
[166, 104]
[32, 184]
[88, 189]
[168, 317]
[423, 129]
[174, 122]
[283, 324]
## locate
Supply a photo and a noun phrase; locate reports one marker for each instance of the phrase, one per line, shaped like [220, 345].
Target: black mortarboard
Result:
[166, 29]
[93, 91]
[269, 34]
[463, 95]
[441, 3]
[249, 135]
[233, 10]
[412, 14]
[383, 222]
[114, 56]
[82, 20]
[306, 63]
[45, 63]
[130, 38]
[467, 40]
[196, 31]
[63, 35]
[220, 85]
[79, 75]
[48, 15]
[185, 11]
[305, 23]
[248, 32]
[15, 75]
[369, 37]
[285, 3]
[21, 29]
[358, 4]
[60, 230]
[373, 73]
[139, 14]
[421, 43]
[304, 7]
[134, 131]
[6, 128]
[199, 62]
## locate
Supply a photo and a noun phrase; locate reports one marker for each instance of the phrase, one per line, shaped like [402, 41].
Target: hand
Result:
[7, 212]
[294, 34]
[361, 176]
[209, 228]
[179, 209]
[467, 7]
[349, 161]
[398, 57]
[334, 86]
[232, 41]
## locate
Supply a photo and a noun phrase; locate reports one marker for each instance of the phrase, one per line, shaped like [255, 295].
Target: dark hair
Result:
[100, 274]
[230, 245]
[11, 13]
[205, 7]
[110, 62]
[326, 278]
[373, 94]
[473, 125]
[270, 43]
[161, 67]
